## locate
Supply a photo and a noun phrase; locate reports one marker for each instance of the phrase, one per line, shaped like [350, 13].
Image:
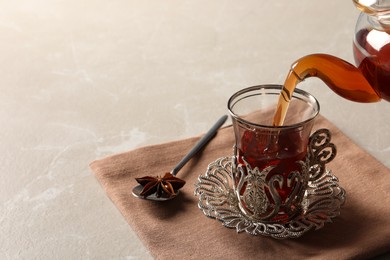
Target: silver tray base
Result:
[321, 203]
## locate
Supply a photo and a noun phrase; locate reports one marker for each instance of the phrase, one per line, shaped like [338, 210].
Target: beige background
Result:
[81, 80]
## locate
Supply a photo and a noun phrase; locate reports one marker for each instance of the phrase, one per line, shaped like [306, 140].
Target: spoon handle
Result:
[200, 144]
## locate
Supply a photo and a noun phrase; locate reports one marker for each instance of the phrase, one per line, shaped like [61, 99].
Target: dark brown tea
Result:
[372, 56]
[282, 151]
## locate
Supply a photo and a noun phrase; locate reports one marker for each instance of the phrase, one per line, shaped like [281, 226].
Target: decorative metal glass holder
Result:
[320, 201]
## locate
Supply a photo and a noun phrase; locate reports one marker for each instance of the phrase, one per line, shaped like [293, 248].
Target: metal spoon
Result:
[199, 145]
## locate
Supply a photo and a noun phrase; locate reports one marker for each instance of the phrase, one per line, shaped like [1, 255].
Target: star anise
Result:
[168, 185]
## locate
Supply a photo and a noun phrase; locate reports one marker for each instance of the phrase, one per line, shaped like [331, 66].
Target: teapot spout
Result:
[342, 77]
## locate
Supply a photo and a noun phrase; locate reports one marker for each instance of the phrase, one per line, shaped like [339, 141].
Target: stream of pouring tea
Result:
[284, 98]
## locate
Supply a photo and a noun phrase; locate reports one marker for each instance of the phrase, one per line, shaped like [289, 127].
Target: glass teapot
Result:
[370, 80]
[372, 44]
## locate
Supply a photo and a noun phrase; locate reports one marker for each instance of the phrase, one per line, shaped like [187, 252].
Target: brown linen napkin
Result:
[177, 229]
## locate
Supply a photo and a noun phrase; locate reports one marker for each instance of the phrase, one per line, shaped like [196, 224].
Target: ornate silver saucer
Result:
[321, 202]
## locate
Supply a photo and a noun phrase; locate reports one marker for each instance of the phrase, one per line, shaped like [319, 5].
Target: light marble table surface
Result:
[81, 80]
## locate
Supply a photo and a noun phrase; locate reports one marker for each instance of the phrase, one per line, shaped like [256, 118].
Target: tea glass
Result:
[270, 169]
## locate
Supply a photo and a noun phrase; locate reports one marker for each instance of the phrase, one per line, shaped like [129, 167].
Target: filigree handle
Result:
[320, 152]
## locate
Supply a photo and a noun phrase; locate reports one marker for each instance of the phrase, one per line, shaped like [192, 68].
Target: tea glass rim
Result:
[314, 101]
